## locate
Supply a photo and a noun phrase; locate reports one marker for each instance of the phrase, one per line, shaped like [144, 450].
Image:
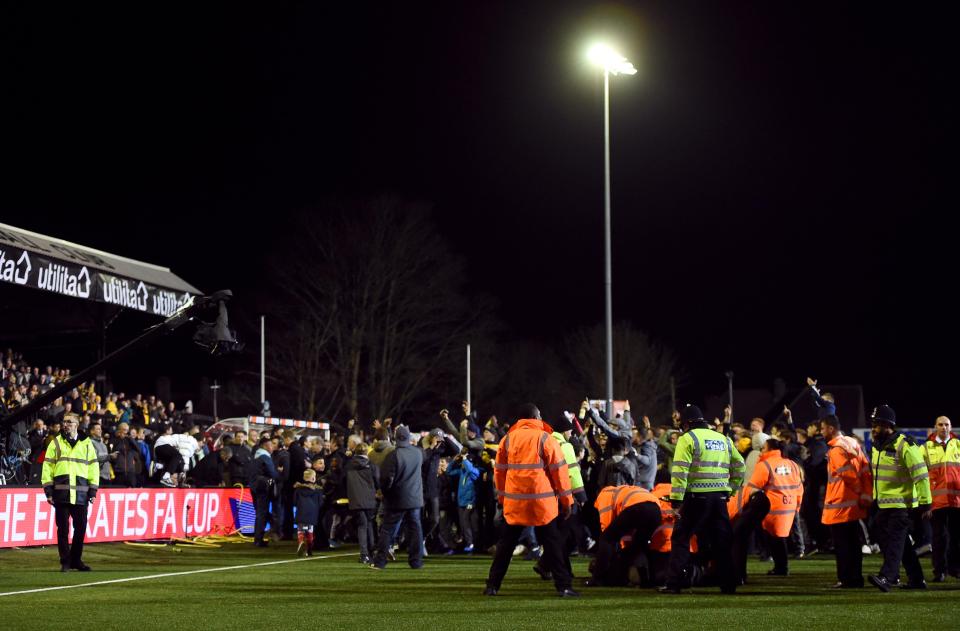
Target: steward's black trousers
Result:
[70, 554]
[554, 557]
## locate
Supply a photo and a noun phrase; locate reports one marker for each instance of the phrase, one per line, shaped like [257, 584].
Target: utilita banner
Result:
[29, 269]
[124, 514]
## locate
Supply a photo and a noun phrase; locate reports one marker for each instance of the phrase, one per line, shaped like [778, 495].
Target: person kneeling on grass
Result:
[308, 497]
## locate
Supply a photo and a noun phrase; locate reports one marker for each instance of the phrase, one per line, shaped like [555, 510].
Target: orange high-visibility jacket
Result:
[613, 500]
[738, 500]
[781, 480]
[530, 474]
[660, 541]
[943, 463]
[849, 482]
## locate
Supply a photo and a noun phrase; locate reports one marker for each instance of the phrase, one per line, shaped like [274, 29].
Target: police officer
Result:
[70, 479]
[706, 468]
[900, 484]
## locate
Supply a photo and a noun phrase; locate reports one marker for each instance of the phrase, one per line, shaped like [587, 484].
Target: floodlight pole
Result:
[263, 361]
[608, 272]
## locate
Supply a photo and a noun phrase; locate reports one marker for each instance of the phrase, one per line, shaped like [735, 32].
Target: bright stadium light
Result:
[610, 60]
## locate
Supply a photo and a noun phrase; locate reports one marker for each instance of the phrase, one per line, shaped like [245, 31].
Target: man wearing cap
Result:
[706, 469]
[900, 484]
[402, 486]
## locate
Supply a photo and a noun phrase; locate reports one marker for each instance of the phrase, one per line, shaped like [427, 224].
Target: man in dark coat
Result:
[263, 476]
[210, 471]
[402, 487]
[238, 463]
[298, 464]
[363, 482]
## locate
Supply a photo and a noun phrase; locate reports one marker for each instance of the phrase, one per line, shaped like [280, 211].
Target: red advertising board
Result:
[122, 514]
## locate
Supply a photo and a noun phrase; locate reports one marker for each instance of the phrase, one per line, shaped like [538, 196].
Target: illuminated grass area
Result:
[340, 593]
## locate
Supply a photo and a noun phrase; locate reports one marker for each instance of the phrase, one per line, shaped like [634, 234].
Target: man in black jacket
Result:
[402, 487]
[210, 471]
[432, 452]
[298, 464]
[363, 481]
[815, 483]
[238, 463]
[263, 477]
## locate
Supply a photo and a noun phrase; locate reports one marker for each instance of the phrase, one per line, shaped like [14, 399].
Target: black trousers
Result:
[744, 525]
[846, 544]
[778, 550]
[946, 540]
[704, 515]
[70, 554]
[554, 558]
[612, 563]
[363, 518]
[892, 526]
[261, 503]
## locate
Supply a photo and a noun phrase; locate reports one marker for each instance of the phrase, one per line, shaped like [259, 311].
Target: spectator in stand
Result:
[212, 469]
[35, 437]
[126, 458]
[237, 466]
[95, 431]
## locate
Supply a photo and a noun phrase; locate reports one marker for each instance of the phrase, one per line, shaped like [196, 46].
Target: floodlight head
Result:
[610, 60]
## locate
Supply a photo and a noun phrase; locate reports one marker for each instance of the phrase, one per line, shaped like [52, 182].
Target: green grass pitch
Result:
[339, 593]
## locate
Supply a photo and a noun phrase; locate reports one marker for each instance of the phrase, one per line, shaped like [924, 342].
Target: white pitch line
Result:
[146, 578]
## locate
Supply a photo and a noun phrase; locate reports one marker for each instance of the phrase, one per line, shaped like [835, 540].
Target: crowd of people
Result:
[644, 499]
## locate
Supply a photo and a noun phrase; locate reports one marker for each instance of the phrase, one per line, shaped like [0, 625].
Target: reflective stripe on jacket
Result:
[613, 500]
[943, 464]
[705, 461]
[530, 474]
[849, 482]
[71, 475]
[573, 465]
[900, 478]
[779, 478]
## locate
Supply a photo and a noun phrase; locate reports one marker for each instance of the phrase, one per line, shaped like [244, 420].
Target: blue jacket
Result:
[466, 489]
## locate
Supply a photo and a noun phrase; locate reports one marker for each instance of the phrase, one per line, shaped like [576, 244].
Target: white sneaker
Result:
[590, 543]
[866, 549]
[167, 481]
[520, 549]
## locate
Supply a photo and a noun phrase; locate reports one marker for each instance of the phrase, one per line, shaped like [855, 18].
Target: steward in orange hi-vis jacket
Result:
[849, 495]
[781, 480]
[533, 486]
[623, 510]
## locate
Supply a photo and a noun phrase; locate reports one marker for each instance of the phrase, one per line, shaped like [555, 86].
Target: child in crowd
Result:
[308, 498]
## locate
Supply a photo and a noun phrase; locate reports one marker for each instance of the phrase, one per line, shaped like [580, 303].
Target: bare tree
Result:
[642, 367]
[376, 308]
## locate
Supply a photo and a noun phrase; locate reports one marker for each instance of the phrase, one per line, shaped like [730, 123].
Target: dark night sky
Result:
[780, 173]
